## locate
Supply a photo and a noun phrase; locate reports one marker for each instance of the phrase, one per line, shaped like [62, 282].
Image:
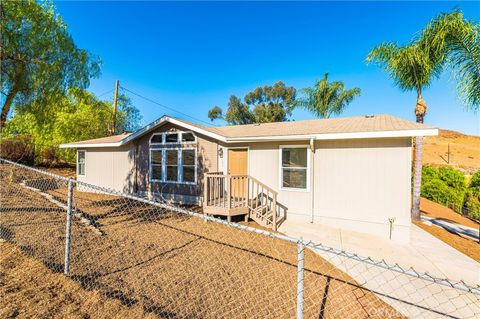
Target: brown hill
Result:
[464, 150]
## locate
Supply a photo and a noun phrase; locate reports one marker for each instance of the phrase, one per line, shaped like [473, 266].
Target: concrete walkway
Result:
[455, 228]
[411, 296]
[425, 253]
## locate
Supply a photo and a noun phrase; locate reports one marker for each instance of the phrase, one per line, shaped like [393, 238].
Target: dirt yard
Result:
[28, 289]
[464, 150]
[467, 246]
[168, 264]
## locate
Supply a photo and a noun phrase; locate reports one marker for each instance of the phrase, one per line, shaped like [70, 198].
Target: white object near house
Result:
[352, 173]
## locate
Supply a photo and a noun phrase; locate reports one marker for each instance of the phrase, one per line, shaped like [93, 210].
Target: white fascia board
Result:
[337, 136]
[167, 119]
[90, 145]
[270, 138]
[379, 134]
[197, 129]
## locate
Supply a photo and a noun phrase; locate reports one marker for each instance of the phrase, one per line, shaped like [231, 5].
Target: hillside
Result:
[464, 150]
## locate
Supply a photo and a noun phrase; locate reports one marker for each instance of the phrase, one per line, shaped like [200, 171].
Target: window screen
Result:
[294, 167]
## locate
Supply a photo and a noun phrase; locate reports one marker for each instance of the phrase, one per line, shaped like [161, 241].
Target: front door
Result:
[238, 165]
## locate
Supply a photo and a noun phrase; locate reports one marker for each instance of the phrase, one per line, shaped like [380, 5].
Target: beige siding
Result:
[109, 167]
[264, 165]
[360, 184]
[357, 184]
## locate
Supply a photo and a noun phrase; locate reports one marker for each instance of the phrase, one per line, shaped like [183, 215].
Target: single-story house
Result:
[352, 173]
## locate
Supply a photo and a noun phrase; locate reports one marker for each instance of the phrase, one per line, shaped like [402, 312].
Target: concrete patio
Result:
[424, 252]
[413, 297]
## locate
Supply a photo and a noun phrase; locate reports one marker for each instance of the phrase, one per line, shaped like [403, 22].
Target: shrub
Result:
[20, 149]
[471, 206]
[444, 185]
[472, 197]
[50, 155]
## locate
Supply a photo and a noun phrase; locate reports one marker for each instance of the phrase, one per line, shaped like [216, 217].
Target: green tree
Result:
[262, 105]
[451, 37]
[325, 99]
[77, 115]
[128, 116]
[412, 68]
[38, 55]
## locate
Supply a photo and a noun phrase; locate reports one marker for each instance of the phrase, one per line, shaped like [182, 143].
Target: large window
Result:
[81, 163]
[173, 164]
[294, 167]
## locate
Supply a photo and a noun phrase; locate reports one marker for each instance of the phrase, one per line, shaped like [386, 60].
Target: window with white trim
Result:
[156, 165]
[173, 138]
[173, 164]
[156, 138]
[81, 163]
[294, 167]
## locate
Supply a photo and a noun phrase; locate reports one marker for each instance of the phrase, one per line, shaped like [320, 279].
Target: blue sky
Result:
[192, 56]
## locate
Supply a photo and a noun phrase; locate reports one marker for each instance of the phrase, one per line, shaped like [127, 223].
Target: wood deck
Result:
[234, 195]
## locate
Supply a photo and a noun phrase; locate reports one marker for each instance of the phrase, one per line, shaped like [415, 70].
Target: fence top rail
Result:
[410, 271]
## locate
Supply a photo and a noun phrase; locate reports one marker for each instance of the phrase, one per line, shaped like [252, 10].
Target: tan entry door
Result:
[238, 161]
[238, 165]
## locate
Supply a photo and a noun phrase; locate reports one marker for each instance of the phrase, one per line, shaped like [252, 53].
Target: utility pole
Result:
[115, 99]
[448, 154]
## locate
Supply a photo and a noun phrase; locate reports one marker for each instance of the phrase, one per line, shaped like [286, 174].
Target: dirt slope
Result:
[464, 150]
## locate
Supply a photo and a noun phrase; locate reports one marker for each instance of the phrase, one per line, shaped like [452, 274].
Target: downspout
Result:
[312, 148]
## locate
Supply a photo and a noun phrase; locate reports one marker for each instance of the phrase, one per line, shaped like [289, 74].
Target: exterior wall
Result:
[207, 150]
[110, 167]
[355, 184]
[360, 184]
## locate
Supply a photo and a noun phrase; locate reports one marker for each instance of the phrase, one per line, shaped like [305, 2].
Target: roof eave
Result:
[91, 145]
[338, 136]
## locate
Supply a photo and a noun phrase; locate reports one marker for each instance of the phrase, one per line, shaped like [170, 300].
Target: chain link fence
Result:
[175, 262]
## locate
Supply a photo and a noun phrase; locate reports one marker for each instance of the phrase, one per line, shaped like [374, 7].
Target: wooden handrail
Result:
[262, 184]
[233, 191]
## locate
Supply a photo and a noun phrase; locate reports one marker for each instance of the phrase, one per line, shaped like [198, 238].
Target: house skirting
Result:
[174, 198]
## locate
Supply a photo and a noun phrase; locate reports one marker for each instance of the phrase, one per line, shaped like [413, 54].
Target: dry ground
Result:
[171, 265]
[464, 150]
[28, 289]
[465, 245]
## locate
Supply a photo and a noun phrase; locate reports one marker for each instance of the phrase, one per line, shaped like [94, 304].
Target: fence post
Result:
[68, 229]
[300, 278]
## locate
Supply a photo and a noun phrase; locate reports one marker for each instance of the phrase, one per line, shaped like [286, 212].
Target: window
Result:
[81, 163]
[172, 165]
[294, 167]
[188, 165]
[156, 164]
[188, 137]
[156, 139]
[171, 137]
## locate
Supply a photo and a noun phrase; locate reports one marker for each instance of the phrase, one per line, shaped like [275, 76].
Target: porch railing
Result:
[230, 192]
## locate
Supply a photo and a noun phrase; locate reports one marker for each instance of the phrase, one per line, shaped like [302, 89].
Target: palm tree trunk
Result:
[420, 110]
[417, 177]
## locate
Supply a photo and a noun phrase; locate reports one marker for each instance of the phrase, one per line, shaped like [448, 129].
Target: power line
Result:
[109, 91]
[165, 106]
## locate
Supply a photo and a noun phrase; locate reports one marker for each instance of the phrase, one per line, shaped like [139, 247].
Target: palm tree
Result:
[411, 68]
[456, 40]
[447, 40]
[325, 99]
